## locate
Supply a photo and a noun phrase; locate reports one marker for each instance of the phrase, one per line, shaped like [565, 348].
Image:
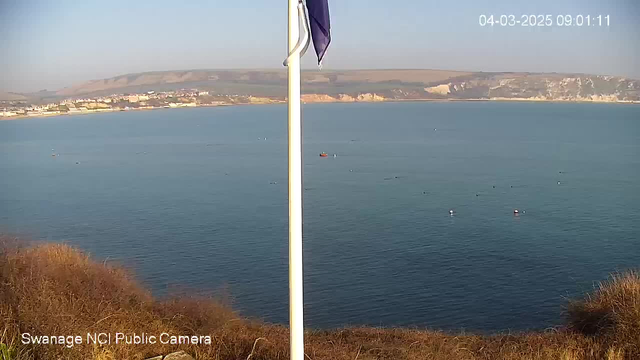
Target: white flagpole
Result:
[296, 320]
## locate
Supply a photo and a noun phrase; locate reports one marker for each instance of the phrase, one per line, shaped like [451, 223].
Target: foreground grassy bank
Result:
[53, 289]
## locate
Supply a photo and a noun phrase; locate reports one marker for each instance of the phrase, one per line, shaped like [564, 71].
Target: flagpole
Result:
[296, 320]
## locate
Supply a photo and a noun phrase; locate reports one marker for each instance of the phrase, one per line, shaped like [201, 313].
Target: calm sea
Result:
[197, 198]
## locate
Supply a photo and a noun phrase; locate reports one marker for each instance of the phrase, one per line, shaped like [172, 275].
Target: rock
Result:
[180, 355]
[317, 98]
[369, 97]
[346, 98]
[442, 89]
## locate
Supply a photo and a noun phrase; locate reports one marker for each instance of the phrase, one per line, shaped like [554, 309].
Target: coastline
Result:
[40, 116]
[378, 99]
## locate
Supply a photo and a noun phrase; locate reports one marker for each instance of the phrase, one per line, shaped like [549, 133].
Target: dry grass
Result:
[611, 313]
[53, 289]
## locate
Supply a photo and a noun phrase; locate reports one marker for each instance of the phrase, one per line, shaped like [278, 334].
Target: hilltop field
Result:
[54, 289]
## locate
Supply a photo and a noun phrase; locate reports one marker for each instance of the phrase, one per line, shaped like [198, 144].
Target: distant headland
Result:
[190, 88]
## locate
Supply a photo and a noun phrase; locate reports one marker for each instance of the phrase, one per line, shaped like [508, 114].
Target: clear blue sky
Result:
[52, 44]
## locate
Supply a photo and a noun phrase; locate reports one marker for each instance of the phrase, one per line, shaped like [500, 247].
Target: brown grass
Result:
[611, 312]
[53, 289]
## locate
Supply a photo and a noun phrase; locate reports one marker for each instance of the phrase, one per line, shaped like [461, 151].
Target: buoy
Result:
[334, 155]
[494, 186]
[558, 182]
[515, 211]
[450, 212]
[350, 170]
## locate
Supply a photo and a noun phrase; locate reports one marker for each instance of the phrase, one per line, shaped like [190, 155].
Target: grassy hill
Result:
[260, 82]
[51, 289]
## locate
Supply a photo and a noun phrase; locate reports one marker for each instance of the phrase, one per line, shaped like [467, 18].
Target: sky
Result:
[52, 44]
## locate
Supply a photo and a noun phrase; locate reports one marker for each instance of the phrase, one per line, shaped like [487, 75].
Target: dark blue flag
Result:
[320, 27]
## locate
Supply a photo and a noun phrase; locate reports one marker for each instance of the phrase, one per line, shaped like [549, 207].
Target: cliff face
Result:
[317, 98]
[323, 98]
[541, 88]
[492, 86]
[527, 87]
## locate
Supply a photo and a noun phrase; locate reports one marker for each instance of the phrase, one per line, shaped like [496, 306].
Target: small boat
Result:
[323, 154]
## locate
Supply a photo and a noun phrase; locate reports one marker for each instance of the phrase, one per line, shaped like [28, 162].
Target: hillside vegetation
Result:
[9, 96]
[54, 289]
[273, 82]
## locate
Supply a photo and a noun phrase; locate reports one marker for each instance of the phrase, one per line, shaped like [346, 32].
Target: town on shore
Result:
[150, 100]
[186, 98]
[125, 102]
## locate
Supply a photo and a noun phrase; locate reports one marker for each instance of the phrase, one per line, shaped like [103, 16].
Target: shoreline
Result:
[277, 102]
[26, 117]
